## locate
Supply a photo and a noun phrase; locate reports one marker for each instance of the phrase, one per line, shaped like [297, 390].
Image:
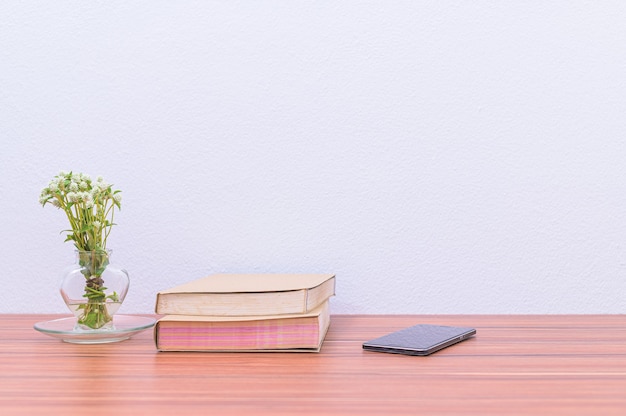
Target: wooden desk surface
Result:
[535, 365]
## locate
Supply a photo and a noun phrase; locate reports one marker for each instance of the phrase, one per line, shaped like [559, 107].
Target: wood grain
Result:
[515, 365]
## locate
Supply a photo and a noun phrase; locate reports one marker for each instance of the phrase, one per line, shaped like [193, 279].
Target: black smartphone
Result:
[419, 339]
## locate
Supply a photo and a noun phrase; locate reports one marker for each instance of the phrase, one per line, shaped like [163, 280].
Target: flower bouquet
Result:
[90, 207]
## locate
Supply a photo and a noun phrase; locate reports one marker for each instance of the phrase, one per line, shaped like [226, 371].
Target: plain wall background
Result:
[439, 157]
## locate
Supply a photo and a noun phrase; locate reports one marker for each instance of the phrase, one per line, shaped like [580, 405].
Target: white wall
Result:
[439, 157]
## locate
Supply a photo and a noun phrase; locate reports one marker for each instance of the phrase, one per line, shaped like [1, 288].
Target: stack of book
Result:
[245, 312]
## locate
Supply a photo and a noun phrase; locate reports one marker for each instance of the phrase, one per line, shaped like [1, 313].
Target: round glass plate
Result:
[124, 326]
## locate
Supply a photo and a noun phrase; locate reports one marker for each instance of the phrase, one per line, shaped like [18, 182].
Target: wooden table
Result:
[536, 365]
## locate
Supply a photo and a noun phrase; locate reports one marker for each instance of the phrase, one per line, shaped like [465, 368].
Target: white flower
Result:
[90, 200]
[44, 195]
[95, 195]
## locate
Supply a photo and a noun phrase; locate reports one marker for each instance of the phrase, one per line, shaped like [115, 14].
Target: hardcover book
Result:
[295, 333]
[247, 295]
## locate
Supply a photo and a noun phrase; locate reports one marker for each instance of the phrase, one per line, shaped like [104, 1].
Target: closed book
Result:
[287, 333]
[247, 295]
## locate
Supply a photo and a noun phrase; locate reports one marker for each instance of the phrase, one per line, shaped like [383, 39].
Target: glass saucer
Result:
[124, 326]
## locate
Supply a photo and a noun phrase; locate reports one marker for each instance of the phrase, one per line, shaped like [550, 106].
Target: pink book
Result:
[296, 332]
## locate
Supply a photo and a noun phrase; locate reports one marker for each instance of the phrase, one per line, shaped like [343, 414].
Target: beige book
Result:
[247, 294]
[287, 333]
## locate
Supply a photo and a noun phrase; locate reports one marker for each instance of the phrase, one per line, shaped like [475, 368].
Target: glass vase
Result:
[94, 290]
